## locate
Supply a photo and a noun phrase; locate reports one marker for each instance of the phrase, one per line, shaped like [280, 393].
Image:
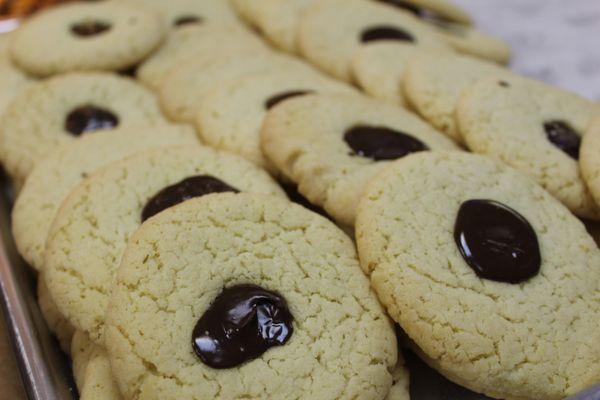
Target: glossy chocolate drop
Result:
[497, 242]
[188, 188]
[90, 118]
[381, 143]
[242, 323]
[187, 20]
[89, 28]
[386, 33]
[279, 97]
[563, 136]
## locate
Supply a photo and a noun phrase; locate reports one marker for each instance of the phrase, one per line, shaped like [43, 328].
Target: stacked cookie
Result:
[193, 200]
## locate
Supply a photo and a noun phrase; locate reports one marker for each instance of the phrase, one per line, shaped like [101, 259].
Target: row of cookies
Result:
[530, 126]
[73, 294]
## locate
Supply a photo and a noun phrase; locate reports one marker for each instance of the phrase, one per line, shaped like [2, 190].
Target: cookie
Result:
[183, 89]
[433, 10]
[473, 42]
[83, 36]
[433, 84]
[191, 41]
[593, 228]
[536, 129]
[56, 175]
[400, 382]
[177, 13]
[56, 322]
[93, 225]
[590, 159]
[470, 258]
[230, 116]
[279, 21]
[12, 80]
[379, 67]
[58, 110]
[330, 46]
[332, 145]
[328, 337]
[246, 9]
[93, 374]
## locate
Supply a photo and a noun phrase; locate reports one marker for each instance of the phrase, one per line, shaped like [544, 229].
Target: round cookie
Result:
[177, 13]
[187, 42]
[331, 46]
[57, 110]
[12, 80]
[331, 146]
[231, 115]
[56, 322]
[433, 10]
[534, 338]
[180, 265]
[434, 82]
[379, 67]
[93, 225]
[93, 374]
[56, 175]
[590, 158]
[183, 89]
[536, 129]
[279, 21]
[84, 36]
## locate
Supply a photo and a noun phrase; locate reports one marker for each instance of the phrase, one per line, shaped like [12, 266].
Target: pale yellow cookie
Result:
[56, 175]
[12, 80]
[190, 41]
[86, 36]
[183, 89]
[342, 345]
[94, 223]
[535, 128]
[496, 318]
[331, 31]
[437, 10]
[231, 115]
[56, 111]
[433, 84]
[469, 40]
[93, 373]
[331, 146]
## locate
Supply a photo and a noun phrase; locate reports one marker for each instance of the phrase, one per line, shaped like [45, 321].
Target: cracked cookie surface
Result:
[93, 225]
[56, 175]
[342, 347]
[590, 159]
[535, 128]
[536, 339]
[304, 138]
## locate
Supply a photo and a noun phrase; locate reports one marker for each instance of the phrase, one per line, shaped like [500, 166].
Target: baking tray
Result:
[46, 371]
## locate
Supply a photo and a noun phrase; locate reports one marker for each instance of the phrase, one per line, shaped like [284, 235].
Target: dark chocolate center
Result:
[188, 188]
[89, 28]
[90, 118]
[279, 97]
[385, 33]
[563, 136]
[242, 323]
[381, 143]
[187, 20]
[497, 242]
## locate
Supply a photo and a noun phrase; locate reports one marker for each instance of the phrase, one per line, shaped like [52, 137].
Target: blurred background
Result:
[557, 41]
